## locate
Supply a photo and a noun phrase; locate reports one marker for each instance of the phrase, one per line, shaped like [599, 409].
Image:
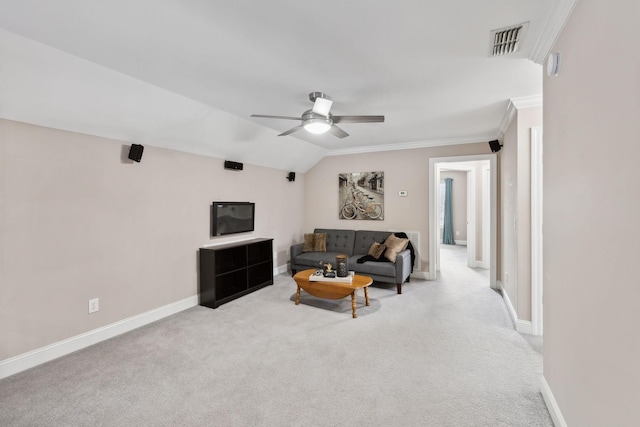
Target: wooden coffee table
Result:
[333, 290]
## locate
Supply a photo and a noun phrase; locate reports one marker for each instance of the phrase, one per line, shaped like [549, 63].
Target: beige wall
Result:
[459, 202]
[403, 170]
[591, 207]
[515, 206]
[78, 221]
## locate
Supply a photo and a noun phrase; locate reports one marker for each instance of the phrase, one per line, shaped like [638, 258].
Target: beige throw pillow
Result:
[394, 245]
[315, 242]
[376, 250]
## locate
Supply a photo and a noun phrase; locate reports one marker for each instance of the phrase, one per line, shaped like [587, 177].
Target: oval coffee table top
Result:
[358, 282]
[330, 290]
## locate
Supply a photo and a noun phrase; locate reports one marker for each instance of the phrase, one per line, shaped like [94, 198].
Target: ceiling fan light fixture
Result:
[319, 119]
[317, 126]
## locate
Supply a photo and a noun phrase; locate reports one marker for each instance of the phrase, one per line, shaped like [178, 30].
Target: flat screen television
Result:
[232, 217]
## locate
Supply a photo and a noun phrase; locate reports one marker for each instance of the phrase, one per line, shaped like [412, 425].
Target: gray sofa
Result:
[355, 244]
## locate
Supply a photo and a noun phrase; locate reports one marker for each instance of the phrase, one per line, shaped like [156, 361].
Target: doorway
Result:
[481, 198]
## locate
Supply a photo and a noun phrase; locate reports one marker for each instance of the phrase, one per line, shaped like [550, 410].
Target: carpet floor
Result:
[444, 353]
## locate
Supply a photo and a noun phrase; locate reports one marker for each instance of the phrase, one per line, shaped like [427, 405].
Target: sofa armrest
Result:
[403, 266]
[295, 251]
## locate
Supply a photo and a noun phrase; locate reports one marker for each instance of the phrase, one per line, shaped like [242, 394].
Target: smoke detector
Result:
[505, 41]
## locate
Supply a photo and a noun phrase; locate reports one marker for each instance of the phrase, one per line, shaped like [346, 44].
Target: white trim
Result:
[475, 264]
[421, 275]
[506, 119]
[61, 348]
[433, 210]
[521, 326]
[486, 218]
[527, 102]
[413, 145]
[514, 105]
[471, 217]
[507, 302]
[552, 28]
[460, 242]
[552, 405]
[281, 269]
[536, 231]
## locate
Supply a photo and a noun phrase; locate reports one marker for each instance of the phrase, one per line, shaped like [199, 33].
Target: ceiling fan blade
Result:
[358, 119]
[292, 130]
[275, 117]
[337, 131]
[322, 106]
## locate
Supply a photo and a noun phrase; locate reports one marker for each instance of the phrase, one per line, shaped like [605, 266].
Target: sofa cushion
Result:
[372, 267]
[340, 241]
[365, 238]
[394, 245]
[316, 242]
[376, 250]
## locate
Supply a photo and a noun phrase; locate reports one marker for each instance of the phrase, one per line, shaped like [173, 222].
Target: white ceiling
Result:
[187, 74]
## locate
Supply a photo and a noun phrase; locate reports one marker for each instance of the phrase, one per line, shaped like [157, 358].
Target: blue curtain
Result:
[447, 231]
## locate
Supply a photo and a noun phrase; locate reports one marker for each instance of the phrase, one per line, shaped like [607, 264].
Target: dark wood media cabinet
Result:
[232, 270]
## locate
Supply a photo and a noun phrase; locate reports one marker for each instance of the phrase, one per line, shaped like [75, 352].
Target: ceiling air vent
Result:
[507, 40]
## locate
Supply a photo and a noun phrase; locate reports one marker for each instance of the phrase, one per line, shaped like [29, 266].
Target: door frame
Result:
[471, 213]
[536, 230]
[433, 211]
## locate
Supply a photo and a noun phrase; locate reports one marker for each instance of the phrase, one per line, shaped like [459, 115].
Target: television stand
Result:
[232, 270]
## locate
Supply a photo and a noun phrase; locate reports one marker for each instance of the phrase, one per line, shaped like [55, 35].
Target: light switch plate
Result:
[94, 305]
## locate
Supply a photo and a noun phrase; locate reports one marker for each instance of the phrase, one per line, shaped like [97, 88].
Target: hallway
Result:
[453, 266]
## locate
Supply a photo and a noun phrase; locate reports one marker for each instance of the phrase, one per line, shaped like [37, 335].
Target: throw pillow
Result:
[394, 245]
[315, 242]
[376, 250]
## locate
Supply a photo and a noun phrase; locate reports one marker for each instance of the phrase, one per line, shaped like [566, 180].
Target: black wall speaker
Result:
[495, 146]
[291, 177]
[232, 165]
[135, 152]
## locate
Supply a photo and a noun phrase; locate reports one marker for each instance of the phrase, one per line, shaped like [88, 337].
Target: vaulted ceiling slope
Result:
[188, 74]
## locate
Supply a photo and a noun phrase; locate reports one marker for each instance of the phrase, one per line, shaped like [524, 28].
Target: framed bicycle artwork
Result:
[361, 195]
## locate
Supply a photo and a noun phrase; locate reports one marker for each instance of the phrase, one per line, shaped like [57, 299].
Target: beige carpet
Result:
[444, 353]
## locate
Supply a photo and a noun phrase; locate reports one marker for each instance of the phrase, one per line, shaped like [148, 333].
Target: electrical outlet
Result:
[94, 305]
[457, 232]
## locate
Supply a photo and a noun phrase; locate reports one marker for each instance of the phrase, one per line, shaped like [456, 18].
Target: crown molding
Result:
[413, 145]
[551, 29]
[516, 104]
[527, 102]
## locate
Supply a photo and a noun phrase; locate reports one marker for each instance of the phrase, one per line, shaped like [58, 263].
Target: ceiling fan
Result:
[320, 120]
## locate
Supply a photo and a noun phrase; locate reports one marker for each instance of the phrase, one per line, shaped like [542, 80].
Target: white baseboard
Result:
[522, 326]
[552, 405]
[507, 302]
[460, 242]
[421, 275]
[36, 357]
[281, 269]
